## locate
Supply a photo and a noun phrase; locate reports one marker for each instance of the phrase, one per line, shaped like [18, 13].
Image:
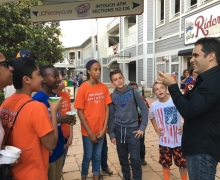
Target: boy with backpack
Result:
[33, 130]
[142, 144]
[123, 126]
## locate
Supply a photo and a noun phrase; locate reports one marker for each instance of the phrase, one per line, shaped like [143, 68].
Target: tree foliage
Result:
[17, 32]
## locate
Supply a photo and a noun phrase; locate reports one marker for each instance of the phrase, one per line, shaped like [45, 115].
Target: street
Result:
[153, 170]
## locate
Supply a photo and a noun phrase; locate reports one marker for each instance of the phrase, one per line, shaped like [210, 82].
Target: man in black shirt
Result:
[200, 109]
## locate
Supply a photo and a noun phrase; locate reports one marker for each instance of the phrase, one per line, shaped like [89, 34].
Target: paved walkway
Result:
[153, 171]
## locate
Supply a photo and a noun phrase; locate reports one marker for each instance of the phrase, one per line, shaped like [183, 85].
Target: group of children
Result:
[123, 114]
[119, 113]
[42, 127]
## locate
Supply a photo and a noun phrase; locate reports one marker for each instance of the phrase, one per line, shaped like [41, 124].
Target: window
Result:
[78, 54]
[130, 31]
[113, 40]
[72, 55]
[190, 4]
[177, 6]
[160, 11]
[96, 43]
[193, 2]
[174, 8]
[174, 58]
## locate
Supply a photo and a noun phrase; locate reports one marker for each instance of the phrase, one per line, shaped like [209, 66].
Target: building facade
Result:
[159, 39]
[178, 24]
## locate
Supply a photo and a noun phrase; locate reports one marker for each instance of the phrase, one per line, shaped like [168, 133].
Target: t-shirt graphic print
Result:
[170, 115]
[93, 100]
[95, 97]
[123, 99]
[167, 118]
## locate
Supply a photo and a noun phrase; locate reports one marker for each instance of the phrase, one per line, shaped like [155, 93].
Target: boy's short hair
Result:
[23, 66]
[113, 72]
[43, 69]
[132, 83]
[157, 83]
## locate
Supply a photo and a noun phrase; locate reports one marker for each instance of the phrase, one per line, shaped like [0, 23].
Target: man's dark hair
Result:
[113, 72]
[23, 66]
[43, 69]
[209, 45]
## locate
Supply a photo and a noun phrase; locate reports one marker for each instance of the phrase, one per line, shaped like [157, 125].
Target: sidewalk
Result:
[153, 171]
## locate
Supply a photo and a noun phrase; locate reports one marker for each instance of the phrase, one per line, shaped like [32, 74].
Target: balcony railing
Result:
[66, 62]
[131, 39]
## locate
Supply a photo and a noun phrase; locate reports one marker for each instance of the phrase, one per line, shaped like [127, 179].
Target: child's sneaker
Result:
[108, 171]
[143, 162]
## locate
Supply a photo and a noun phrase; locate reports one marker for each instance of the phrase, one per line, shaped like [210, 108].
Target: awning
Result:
[185, 52]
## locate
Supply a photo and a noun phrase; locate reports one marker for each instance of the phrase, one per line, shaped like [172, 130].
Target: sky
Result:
[75, 32]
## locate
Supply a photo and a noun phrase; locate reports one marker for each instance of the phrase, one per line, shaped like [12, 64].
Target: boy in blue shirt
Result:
[51, 81]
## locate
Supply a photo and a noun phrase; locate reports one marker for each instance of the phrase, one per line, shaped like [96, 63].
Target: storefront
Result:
[203, 24]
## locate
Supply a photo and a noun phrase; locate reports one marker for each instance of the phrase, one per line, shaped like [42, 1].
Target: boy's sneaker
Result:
[108, 171]
[143, 162]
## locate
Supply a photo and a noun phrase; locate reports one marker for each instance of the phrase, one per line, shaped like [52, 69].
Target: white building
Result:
[160, 38]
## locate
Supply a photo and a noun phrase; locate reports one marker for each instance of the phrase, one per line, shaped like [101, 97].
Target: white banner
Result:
[86, 10]
[203, 24]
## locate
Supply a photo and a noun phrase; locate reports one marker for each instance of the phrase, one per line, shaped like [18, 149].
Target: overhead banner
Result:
[203, 24]
[86, 10]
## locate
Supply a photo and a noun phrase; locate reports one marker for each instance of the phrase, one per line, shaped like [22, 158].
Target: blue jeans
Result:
[104, 158]
[91, 152]
[201, 167]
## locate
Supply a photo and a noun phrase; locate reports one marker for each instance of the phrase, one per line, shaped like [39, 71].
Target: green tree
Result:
[17, 32]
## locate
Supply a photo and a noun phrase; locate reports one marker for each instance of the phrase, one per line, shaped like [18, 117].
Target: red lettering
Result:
[218, 19]
[214, 22]
[208, 24]
[199, 23]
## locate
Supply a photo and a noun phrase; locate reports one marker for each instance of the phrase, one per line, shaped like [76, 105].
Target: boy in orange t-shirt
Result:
[33, 128]
[66, 106]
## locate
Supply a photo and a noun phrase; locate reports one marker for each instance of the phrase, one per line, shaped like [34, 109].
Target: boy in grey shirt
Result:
[123, 124]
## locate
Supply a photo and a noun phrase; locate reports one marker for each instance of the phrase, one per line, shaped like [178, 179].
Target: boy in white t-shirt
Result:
[166, 121]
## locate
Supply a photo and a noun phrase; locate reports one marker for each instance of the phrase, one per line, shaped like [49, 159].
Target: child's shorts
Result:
[166, 154]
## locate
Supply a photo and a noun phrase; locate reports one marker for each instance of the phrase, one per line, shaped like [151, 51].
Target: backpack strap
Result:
[15, 120]
[134, 98]
[112, 100]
